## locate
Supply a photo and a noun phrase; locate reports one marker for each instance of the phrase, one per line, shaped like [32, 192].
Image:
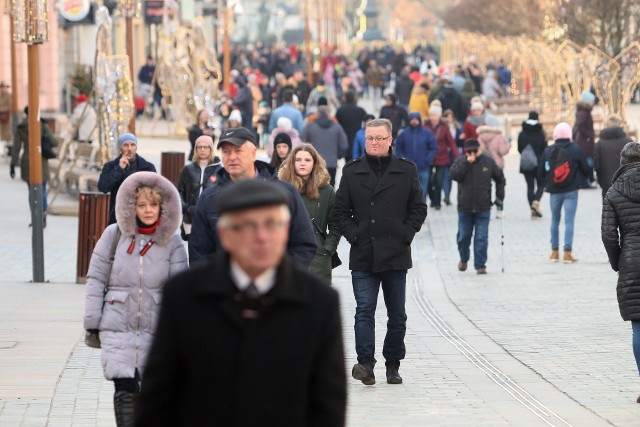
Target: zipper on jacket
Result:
[139, 315]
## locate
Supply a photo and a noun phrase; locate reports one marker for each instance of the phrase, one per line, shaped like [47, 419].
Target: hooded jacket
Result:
[493, 143]
[204, 241]
[417, 144]
[606, 155]
[127, 314]
[447, 151]
[532, 134]
[584, 133]
[579, 160]
[619, 230]
[451, 99]
[398, 116]
[327, 137]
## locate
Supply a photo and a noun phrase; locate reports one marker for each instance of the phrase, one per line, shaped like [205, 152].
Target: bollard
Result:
[93, 218]
[172, 163]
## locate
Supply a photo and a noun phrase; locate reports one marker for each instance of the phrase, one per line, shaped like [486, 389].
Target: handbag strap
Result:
[112, 255]
[315, 224]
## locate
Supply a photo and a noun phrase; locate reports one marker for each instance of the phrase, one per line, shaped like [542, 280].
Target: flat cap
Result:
[471, 144]
[251, 193]
[237, 136]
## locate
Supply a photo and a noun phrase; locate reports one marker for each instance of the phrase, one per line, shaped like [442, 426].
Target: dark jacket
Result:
[584, 134]
[204, 240]
[532, 134]
[606, 155]
[350, 117]
[398, 116]
[417, 144]
[446, 149]
[404, 86]
[327, 137]
[379, 216]
[451, 99]
[189, 185]
[244, 100]
[621, 239]
[210, 366]
[113, 175]
[21, 143]
[579, 160]
[474, 182]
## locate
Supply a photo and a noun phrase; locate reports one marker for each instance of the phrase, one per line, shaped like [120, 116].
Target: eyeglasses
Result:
[377, 138]
[250, 227]
[471, 151]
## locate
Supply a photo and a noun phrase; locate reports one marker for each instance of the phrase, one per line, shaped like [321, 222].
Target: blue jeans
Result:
[446, 185]
[635, 327]
[366, 285]
[423, 177]
[467, 222]
[570, 202]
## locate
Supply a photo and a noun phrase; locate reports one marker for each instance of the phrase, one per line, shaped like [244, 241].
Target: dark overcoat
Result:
[210, 365]
[606, 155]
[379, 217]
[620, 230]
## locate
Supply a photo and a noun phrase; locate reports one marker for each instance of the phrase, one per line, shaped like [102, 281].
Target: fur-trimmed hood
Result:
[170, 209]
[322, 178]
[486, 128]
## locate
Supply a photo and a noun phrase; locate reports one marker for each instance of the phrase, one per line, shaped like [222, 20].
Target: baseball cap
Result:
[237, 137]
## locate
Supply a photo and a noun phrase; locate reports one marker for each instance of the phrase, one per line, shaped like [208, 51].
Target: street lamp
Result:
[30, 27]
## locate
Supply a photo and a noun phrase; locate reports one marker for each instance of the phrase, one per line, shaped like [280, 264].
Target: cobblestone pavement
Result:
[540, 344]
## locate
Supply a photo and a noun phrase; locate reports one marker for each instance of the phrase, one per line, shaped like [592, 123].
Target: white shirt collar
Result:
[263, 282]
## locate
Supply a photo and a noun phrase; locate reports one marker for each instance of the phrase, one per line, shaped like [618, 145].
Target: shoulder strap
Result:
[112, 255]
[315, 224]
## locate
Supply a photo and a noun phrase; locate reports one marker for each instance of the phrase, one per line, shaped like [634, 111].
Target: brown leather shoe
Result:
[555, 255]
[481, 270]
[568, 258]
[462, 266]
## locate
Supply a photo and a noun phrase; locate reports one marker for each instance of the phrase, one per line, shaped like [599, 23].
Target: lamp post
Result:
[30, 27]
[130, 9]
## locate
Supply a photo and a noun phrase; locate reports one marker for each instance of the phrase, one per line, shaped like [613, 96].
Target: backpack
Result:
[528, 159]
[561, 168]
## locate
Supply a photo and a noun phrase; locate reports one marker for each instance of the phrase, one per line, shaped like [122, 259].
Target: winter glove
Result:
[499, 203]
[12, 171]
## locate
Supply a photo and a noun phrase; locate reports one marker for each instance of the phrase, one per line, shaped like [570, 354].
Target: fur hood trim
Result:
[322, 178]
[171, 207]
[485, 128]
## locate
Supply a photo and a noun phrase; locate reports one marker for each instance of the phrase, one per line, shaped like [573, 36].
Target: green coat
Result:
[21, 143]
[320, 211]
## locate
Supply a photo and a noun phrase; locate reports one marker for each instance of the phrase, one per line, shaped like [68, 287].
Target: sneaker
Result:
[481, 270]
[499, 214]
[555, 255]
[393, 377]
[535, 208]
[364, 372]
[462, 266]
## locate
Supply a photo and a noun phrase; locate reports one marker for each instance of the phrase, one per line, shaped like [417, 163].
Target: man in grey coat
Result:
[328, 138]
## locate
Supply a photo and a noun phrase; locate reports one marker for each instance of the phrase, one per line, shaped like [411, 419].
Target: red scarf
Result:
[148, 229]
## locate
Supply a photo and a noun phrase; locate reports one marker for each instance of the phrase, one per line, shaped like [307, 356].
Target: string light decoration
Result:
[30, 21]
[8, 7]
[129, 8]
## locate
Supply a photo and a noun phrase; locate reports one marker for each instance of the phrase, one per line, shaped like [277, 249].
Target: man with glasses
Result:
[247, 339]
[379, 207]
[474, 172]
[238, 154]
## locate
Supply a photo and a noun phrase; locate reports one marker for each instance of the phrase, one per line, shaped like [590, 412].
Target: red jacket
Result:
[447, 150]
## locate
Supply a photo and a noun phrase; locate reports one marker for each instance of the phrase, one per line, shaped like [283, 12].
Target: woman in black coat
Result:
[533, 134]
[620, 222]
[201, 127]
[606, 155]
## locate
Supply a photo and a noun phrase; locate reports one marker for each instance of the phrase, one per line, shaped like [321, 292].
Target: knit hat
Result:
[127, 137]
[284, 123]
[282, 138]
[587, 97]
[435, 109]
[235, 115]
[477, 106]
[562, 131]
[533, 115]
[81, 98]
[470, 144]
[322, 101]
[630, 153]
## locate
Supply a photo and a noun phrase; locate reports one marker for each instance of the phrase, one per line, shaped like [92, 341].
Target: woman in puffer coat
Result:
[125, 311]
[620, 224]
[195, 178]
[305, 169]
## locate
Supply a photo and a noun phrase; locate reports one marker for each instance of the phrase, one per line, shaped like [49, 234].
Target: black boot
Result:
[124, 405]
[364, 372]
[393, 377]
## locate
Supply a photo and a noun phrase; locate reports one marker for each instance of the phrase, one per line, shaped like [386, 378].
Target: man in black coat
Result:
[379, 207]
[606, 154]
[474, 172]
[116, 171]
[259, 346]
[238, 154]
[350, 116]
[395, 113]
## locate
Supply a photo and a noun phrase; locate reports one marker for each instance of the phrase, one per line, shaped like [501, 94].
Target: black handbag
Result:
[47, 146]
[92, 339]
[335, 259]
